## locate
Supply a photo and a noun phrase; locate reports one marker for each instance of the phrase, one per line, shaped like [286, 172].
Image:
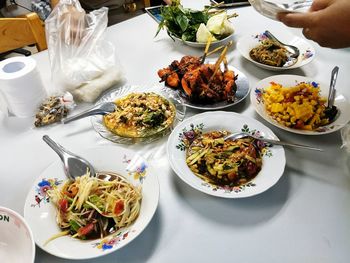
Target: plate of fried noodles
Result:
[267, 54]
[93, 216]
[202, 158]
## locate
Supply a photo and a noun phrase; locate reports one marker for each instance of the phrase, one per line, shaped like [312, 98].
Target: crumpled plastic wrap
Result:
[345, 135]
[79, 54]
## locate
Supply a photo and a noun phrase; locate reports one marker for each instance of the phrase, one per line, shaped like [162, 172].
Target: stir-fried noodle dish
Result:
[269, 53]
[93, 207]
[224, 162]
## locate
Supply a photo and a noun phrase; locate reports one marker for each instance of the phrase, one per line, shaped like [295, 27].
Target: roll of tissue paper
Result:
[20, 86]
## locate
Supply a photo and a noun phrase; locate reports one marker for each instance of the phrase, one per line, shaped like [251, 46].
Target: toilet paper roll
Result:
[21, 86]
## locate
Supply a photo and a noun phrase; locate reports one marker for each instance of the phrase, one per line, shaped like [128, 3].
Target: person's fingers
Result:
[296, 19]
[315, 35]
[307, 32]
[319, 4]
[322, 38]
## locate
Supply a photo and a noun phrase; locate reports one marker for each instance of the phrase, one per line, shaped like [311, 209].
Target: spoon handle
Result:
[56, 147]
[290, 144]
[84, 114]
[332, 91]
[295, 52]
[272, 37]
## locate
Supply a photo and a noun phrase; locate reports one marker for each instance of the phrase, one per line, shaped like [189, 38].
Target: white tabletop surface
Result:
[305, 217]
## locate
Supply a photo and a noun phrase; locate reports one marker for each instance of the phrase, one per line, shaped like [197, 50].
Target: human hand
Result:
[327, 22]
[72, 23]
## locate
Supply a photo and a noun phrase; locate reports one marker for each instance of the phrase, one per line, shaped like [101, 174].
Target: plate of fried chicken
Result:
[205, 85]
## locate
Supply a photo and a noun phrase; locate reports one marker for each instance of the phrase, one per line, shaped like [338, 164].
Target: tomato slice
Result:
[119, 207]
[84, 230]
[63, 205]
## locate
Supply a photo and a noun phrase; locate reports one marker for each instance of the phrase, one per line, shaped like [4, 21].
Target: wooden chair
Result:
[22, 31]
[54, 3]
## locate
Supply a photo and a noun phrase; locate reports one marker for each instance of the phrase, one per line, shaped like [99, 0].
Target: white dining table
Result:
[304, 217]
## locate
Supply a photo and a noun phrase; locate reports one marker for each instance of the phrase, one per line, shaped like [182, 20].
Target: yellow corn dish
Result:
[299, 107]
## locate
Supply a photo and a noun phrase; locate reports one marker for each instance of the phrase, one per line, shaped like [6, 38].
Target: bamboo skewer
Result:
[225, 64]
[219, 48]
[202, 61]
[206, 50]
[217, 64]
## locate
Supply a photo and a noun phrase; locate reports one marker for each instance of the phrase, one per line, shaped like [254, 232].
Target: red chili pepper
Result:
[251, 168]
[290, 99]
[63, 205]
[299, 124]
[119, 207]
[83, 231]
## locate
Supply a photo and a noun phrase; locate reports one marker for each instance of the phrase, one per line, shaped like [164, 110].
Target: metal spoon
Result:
[100, 109]
[293, 50]
[74, 165]
[240, 135]
[331, 110]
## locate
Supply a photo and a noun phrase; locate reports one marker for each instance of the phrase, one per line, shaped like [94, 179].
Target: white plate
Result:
[241, 93]
[41, 215]
[291, 80]
[248, 42]
[112, 95]
[273, 160]
[271, 8]
[202, 45]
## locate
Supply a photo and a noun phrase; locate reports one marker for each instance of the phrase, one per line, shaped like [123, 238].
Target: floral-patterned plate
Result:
[342, 118]
[40, 213]
[273, 157]
[307, 52]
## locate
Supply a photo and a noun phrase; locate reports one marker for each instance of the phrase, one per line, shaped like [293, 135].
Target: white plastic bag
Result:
[345, 135]
[82, 62]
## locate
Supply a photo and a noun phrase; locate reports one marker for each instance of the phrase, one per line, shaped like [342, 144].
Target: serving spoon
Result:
[74, 165]
[293, 50]
[331, 110]
[240, 135]
[100, 109]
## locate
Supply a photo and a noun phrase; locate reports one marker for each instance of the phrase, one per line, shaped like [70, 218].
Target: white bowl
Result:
[40, 213]
[202, 45]
[16, 239]
[274, 159]
[307, 53]
[341, 102]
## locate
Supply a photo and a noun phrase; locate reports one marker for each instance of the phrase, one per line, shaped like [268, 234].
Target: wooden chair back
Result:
[22, 31]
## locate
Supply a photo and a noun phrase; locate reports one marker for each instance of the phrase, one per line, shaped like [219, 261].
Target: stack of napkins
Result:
[270, 8]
